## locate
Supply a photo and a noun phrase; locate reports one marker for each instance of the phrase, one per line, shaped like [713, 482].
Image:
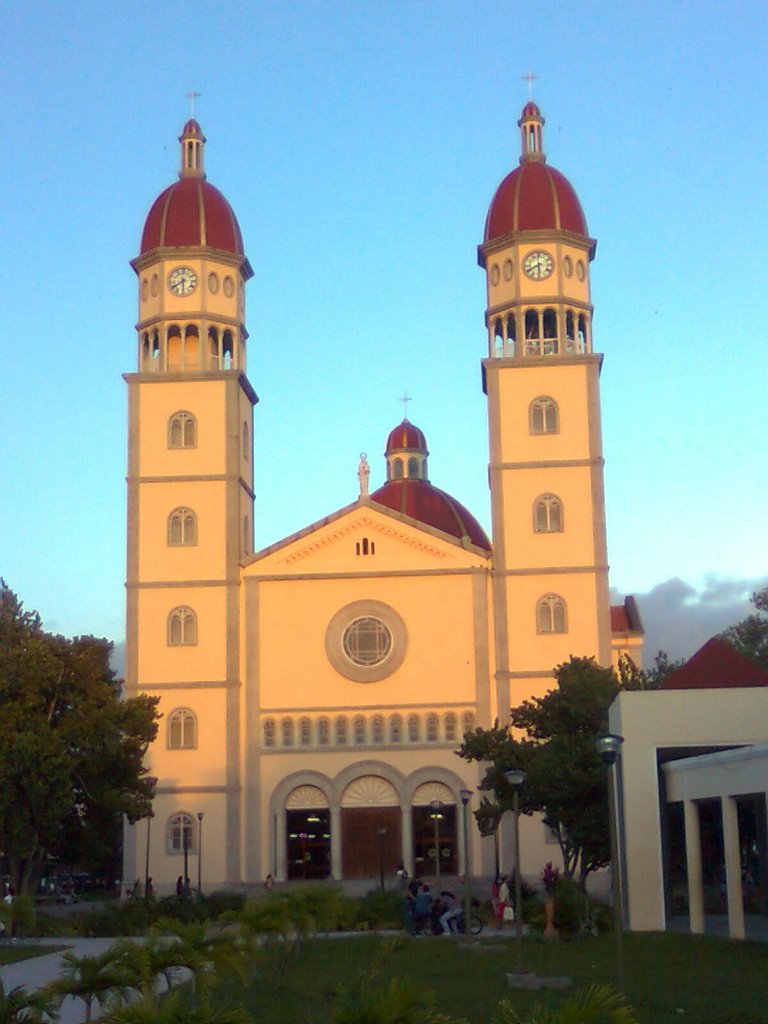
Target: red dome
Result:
[192, 212]
[535, 197]
[420, 500]
[406, 437]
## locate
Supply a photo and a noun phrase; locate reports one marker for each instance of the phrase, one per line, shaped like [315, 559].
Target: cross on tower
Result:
[530, 78]
[405, 400]
[192, 96]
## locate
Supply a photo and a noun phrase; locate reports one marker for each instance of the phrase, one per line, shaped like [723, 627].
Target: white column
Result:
[336, 843]
[733, 867]
[693, 859]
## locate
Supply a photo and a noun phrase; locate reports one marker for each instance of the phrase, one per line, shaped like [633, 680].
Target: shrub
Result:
[576, 914]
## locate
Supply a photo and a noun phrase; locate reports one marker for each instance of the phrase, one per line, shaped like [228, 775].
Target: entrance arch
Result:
[426, 830]
[371, 828]
[307, 833]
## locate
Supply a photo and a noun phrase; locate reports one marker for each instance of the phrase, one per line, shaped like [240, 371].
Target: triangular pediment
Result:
[365, 538]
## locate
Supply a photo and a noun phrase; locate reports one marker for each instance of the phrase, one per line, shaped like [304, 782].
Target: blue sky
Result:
[360, 145]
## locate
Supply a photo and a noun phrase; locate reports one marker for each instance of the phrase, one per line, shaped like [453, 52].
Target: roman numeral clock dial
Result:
[538, 265]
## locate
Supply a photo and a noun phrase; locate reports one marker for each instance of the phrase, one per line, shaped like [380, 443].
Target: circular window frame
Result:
[343, 619]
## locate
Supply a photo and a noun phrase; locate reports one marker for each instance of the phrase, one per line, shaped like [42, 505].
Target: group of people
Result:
[442, 914]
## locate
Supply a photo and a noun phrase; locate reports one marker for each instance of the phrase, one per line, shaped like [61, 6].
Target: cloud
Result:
[679, 618]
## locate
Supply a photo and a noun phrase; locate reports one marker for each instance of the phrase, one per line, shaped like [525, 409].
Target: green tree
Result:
[90, 978]
[750, 636]
[71, 750]
[566, 780]
[19, 1006]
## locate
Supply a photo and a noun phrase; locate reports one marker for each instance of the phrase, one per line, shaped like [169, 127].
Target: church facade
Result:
[328, 750]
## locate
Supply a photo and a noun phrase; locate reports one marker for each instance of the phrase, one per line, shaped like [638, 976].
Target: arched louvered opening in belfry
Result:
[570, 331]
[214, 350]
[497, 338]
[175, 348]
[549, 321]
[146, 353]
[510, 349]
[191, 347]
[532, 332]
[584, 345]
[227, 350]
[397, 469]
[413, 468]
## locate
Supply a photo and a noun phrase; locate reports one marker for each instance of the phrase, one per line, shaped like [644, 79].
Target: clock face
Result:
[538, 265]
[182, 281]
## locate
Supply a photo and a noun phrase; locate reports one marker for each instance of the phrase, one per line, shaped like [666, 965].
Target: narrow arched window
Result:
[544, 416]
[413, 467]
[550, 332]
[582, 333]
[227, 351]
[358, 730]
[550, 615]
[467, 722]
[182, 730]
[449, 726]
[182, 430]
[323, 732]
[246, 535]
[532, 332]
[395, 729]
[191, 347]
[174, 347]
[182, 627]
[432, 728]
[182, 528]
[181, 833]
[570, 332]
[414, 728]
[287, 732]
[377, 729]
[341, 732]
[305, 732]
[214, 354]
[269, 732]
[548, 514]
[246, 442]
[397, 469]
[498, 338]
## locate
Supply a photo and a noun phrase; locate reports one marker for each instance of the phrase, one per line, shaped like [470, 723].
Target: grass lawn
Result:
[668, 977]
[11, 954]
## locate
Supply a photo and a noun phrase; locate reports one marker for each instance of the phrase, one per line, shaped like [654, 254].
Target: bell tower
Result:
[541, 378]
[190, 505]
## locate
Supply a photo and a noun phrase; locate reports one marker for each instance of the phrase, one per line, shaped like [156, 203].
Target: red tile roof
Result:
[420, 500]
[534, 197]
[191, 212]
[716, 665]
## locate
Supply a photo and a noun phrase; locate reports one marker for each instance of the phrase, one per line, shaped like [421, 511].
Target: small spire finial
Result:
[192, 96]
[405, 400]
[530, 78]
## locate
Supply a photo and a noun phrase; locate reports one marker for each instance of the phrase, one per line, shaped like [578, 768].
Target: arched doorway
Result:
[307, 833]
[426, 828]
[370, 828]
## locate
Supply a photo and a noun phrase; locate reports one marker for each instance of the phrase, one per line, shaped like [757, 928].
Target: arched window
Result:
[213, 347]
[582, 333]
[182, 528]
[377, 729]
[305, 732]
[570, 333]
[550, 615]
[181, 833]
[550, 332]
[227, 351]
[498, 337]
[532, 332]
[191, 347]
[358, 730]
[432, 728]
[182, 730]
[413, 467]
[182, 430]
[182, 627]
[395, 729]
[323, 731]
[173, 337]
[269, 732]
[547, 514]
[397, 469]
[287, 732]
[467, 722]
[544, 416]
[449, 725]
[414, 728]
[341, 732]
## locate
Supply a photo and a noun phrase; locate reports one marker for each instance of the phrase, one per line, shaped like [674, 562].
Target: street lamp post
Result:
[436, 814]
[152, 783]
[199, 853]
[382, 833]
[186, 825]
[516, 778]
[466, 796]
[608, 747]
